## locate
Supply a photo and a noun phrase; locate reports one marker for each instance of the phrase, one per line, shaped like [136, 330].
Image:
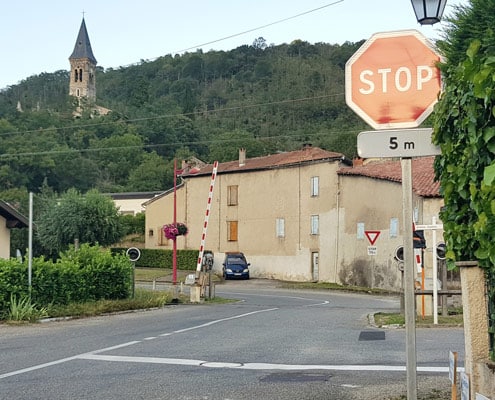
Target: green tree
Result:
[464, 127]
[152, 174]
[91, 218]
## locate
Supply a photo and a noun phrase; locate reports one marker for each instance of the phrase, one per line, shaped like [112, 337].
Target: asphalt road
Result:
[271, 344]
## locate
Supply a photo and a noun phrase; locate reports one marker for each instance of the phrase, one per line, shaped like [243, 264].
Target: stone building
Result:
[83, 67]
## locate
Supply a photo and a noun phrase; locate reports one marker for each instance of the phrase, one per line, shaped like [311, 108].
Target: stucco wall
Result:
[263, 197]
[343, 203]
[4, 239]
[377, 206]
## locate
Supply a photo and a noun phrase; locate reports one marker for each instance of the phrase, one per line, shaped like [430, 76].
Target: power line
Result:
[191, 114]
[10, 156]
[260, 27]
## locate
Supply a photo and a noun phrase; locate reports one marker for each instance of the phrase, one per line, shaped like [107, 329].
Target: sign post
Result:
[392, 82]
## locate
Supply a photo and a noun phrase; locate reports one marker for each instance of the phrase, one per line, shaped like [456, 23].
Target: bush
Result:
[82, 275]
[157, 258]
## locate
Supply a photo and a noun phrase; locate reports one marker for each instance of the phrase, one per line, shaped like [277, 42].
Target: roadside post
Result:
[134, 254]
[392, 83]
[453, 373]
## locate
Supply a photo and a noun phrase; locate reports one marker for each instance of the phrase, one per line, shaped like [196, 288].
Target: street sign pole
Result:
[409, 270]
[392, 82]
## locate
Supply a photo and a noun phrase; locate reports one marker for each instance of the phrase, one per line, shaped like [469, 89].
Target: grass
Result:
[143, 299]
[162, 274]
[384, 319]
[23, 309]
[331, 286]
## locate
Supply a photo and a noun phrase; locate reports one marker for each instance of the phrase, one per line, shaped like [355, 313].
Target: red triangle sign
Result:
[372, 236]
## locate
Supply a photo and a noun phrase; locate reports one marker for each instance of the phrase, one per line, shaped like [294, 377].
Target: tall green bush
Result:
[89, 273]
[158, 258]
[464, 127]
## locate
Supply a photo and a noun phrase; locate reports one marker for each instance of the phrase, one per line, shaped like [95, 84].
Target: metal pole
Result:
[30, 242]
[435, 272]
[174, 258]
[409, 272]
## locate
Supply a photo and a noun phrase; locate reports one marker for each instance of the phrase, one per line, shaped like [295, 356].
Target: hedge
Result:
[158, 258]
[87, 274]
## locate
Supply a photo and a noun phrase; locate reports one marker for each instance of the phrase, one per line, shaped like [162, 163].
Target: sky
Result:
[39, 36]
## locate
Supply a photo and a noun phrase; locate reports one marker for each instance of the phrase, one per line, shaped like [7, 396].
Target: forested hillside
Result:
[263, 98]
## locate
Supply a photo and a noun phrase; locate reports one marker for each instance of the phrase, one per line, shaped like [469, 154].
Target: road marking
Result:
[217, 321]
[63, 360]
[258, 366]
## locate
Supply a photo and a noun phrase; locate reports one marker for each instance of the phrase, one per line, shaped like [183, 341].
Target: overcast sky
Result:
[39, 36]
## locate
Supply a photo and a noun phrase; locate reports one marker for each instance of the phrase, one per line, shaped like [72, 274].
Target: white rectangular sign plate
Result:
[396, 143]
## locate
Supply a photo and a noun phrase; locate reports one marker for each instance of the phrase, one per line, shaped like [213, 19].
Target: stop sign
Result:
[392, 80]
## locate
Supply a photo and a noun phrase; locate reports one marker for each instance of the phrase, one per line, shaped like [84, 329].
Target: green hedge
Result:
[157, 258]
[89, 273]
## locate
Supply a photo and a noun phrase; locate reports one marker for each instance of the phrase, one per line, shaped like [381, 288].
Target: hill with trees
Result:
[263, 98]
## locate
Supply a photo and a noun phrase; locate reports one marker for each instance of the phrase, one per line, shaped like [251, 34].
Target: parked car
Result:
[235, 266]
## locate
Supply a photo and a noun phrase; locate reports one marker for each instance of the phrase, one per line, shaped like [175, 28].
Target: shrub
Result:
[86, 274]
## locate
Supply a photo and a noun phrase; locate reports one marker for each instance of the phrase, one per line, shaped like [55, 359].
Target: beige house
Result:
[131, 203]
[276, 209]
[370, 200]
[298, 216]
[9, 218]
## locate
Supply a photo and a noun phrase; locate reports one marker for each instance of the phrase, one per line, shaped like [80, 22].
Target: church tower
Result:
[82, 67]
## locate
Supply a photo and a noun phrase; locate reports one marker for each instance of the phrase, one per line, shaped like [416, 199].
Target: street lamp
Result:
[428, 12]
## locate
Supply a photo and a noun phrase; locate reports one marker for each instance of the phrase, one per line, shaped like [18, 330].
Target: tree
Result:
[464, 127]
[152, 174]
[91, 218]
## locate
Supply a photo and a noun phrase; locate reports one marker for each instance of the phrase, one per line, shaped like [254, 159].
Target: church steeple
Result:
[82, 67]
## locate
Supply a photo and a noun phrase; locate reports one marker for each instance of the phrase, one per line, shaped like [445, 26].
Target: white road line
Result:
[63, 360]
[258, 366]
[218, 321]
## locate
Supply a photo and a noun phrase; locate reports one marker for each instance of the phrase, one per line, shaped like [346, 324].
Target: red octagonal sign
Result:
[392, 81]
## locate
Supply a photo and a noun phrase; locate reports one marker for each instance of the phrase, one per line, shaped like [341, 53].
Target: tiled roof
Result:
[423, 175]
[280, 160]
[13, 217]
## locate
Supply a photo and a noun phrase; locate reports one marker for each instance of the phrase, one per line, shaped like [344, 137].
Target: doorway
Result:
[315, 266]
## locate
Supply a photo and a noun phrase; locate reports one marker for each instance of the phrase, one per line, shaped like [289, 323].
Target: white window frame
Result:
[315, 224]
[315, 186]
[280, 227]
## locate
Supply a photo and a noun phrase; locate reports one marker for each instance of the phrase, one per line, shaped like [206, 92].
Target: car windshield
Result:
[235, 260]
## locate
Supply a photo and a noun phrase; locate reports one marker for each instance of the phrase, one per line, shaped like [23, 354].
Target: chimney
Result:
[307, 146]
[357, 162]
[242, 157]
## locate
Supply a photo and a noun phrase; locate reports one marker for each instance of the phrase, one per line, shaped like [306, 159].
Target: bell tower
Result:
[82, 67]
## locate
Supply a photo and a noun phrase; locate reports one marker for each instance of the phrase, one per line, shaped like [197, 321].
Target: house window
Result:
[232, 195]
[151, 233]
[232, 231]
[280, 227]
[315, 186]
[315, 224]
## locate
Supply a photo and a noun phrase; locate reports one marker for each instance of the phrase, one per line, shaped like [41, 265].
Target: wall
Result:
[4, 239]
[376, 205]
[263, 197]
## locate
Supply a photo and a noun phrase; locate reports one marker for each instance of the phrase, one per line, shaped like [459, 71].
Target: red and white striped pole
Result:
[207, 216]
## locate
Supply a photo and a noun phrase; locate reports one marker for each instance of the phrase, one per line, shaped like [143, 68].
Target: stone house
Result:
[370, 200]
[298, 216]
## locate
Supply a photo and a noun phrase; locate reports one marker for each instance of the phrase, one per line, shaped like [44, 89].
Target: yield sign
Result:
[372, 236]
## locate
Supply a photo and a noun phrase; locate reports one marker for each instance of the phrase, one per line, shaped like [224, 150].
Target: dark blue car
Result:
[235, 266]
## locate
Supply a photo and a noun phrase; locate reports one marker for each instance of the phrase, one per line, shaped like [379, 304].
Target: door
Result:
[314, 265]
